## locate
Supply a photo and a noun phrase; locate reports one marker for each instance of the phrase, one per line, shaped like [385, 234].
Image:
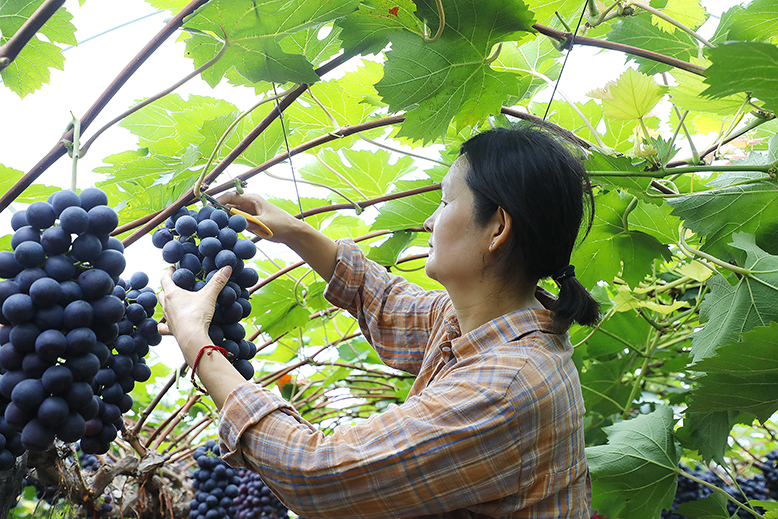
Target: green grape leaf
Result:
[603, 391]
[436, 82]
[31, 69]
[709, 213]
[712, 507]
[619, 332]
[344, 99]
[688, 12]
[410, 211]
[634, 475]
[687, 95]
[730, 310]
[167, 126]
[632, 96]
[601, 167]
[368, 30]
[389, 251]
[254, 30]
[754, 21]
[368, 170]
[533, 61]
[276, 309]
[609, 245]
[9, 177]
[655, 220]
[545, 11]
[567, 116]
[743, 67]
[743, 376]
[638, 31]
[708, 433]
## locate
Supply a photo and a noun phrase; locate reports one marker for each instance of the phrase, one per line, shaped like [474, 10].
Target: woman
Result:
[492, 426]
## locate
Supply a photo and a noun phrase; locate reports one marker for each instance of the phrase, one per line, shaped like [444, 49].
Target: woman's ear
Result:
[501, 227]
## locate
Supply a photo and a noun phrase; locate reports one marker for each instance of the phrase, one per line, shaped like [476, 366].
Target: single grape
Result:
[74, 220]
[92, 197]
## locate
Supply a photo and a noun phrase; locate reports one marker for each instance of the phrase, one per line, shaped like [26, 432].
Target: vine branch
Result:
[22, 37]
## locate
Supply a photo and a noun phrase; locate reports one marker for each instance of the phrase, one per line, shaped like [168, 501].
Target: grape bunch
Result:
[125, 362]
[61, 314]
[770, 470]
[255, 499]
[753, 489]
[199, 244]
[216, 485]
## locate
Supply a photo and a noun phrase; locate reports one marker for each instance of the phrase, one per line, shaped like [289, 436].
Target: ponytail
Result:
[574, 303]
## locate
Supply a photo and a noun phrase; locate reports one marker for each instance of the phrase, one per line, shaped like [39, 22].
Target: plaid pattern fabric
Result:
[491, 428]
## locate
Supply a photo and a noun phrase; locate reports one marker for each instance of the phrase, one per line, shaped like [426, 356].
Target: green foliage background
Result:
[683, 253]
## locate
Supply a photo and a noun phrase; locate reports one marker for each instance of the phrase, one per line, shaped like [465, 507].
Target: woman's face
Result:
[457, 244]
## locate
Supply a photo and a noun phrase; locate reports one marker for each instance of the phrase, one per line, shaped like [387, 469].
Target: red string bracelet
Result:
[207, 348]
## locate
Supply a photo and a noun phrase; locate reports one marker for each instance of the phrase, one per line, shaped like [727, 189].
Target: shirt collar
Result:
[506, 328]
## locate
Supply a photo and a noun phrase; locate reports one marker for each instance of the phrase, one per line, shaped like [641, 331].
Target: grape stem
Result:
[442, 19]
[27, 31]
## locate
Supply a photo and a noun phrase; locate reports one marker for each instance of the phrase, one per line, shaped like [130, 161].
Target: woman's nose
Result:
[428, 224]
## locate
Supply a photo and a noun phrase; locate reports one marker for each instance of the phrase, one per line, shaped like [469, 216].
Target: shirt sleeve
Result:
[441, 450]
[395, 316]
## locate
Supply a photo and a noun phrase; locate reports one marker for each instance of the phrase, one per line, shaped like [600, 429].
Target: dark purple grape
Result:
[30, 254]
[74, 220]
[102, 353]
[184, 278]
[53, 411]
[111, 261]
[114, 244]
[95, 283]
[161, 236]
[247, 278]
[108, 309]
[220, 217]
[207, 229]
[18, 308]
[34, 365]
[102, 220]
[84, 368]
[148, 300]
[226, 297]
[226, 258]
[209, 247]
[28, 394]
[60, 268]
[79, 396]
[139, 280]
[245, 368]
[228, 238]
[72, 429]
[23, 337]
[9, 267]
[78, 314]
[50, 345]
[140, 372]
[36, 436]
[19, 220]
[238, 223]
[122, 364]
[70, 292]
[41, 215]
[87, 247]
[45, 292]
[24, 234]
[173, 251]
[245, 249]
[27, 277]
[125, 344]
[11, 358]
[57, 379]
[135, 313]
[64, 199]
[190, 262]
[186, 226]
[48, 318]
[80, 341]
[55, 240]
[92, 197]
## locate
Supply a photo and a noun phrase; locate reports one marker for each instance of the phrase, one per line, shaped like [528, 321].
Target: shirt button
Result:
[446, 349]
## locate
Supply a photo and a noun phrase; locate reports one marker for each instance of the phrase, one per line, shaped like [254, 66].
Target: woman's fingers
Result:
[163, 329]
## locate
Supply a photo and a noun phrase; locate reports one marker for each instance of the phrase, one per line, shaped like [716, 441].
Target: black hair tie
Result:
[564, 272]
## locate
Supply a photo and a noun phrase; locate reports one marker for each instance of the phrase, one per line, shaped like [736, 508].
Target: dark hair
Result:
[544, 187]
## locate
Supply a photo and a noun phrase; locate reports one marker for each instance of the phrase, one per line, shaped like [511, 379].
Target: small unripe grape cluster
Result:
[199, 243]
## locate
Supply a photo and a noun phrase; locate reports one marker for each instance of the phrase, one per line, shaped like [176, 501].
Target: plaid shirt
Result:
[492, 426]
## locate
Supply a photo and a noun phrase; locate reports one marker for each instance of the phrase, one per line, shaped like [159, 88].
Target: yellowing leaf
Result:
[688, 12]
[662, 309]
[695, 270]
[633, 95]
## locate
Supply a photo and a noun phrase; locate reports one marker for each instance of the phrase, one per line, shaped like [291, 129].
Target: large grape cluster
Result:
[62, 315]
[216, 485]
[199, 244]
[255, 499]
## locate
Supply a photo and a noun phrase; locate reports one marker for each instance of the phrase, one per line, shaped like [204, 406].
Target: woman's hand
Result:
[189, 314]
[281, 223]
